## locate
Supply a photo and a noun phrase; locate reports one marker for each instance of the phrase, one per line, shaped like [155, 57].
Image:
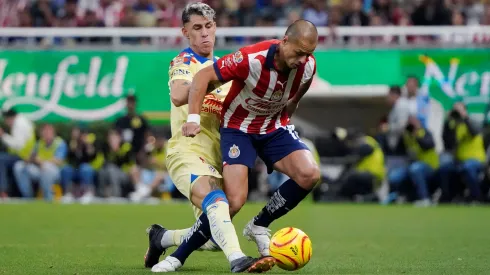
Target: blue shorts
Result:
[238, 147]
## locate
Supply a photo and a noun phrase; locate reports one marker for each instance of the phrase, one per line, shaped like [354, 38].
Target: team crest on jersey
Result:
[277, 95]
[238, 57]
[234, 152]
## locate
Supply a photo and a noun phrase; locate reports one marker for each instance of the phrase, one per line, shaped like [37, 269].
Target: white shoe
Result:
[422, 203]
[68, 198]
[87, 198]
[260, 235]
[170, 264]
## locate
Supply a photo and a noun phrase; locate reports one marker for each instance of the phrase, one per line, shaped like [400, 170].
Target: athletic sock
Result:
[286, 197]
[216, 207]
[174, 237]
[197, 236]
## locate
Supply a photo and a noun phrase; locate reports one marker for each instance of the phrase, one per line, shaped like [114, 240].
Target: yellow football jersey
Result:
[206, 145]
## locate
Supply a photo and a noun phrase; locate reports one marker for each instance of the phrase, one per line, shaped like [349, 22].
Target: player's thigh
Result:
[239, 154]
[191, 176]
[285, 152]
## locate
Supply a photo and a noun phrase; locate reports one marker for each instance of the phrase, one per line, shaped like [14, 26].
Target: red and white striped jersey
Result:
[256, 103]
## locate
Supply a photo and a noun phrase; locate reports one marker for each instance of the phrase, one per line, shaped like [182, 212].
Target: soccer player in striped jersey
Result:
[195, 164]
[268, 81]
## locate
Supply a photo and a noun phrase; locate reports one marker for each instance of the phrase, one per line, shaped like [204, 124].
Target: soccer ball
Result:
[291, 248]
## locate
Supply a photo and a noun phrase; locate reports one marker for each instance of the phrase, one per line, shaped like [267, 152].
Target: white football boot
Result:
[260, 235]
[170, 264]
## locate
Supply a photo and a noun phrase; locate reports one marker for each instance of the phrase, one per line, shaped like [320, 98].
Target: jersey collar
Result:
[199, 58]
[269, 60]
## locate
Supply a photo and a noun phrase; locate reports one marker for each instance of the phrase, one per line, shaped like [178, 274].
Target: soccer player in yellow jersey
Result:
[194, 164]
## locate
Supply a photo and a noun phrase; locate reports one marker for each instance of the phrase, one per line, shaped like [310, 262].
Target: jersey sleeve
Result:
[233, 66]
[180, 68]
[310, 70]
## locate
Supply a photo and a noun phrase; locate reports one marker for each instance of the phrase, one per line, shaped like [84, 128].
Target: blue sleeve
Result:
[61, 151]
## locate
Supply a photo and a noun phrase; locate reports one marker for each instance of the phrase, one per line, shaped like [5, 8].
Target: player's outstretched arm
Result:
[179, 91]
[202, 80]
[199, 87]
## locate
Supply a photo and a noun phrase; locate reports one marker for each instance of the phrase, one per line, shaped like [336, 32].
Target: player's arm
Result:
[204, 78]
[179, 91]
[229, 67]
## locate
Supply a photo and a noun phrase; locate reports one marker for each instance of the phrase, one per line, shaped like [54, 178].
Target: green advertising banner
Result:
[90, 85]
[452, 75]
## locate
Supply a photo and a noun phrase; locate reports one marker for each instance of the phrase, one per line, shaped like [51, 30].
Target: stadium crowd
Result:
[230, 13]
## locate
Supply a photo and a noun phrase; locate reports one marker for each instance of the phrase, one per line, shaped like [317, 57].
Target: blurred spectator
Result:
[394, 127]
[118, 158]
[316, 12]
[384, 9]
[277, 9]
[109, 12]
[44, 164]
[355, 16]
[67, 16]
[44, 13]
[83, 161]
[9, 10]
[367, 170]
[246, 13]
[145, 13]
[153, 172]
[431, 12]
[463, 139]
[133, 128]
[20, 144]
[424, 161]
[418, 102]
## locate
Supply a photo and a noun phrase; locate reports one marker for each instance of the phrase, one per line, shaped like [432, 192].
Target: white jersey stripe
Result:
[255, 66]
[268, 94]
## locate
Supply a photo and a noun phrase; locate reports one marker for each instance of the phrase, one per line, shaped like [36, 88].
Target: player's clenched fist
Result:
[190, 129]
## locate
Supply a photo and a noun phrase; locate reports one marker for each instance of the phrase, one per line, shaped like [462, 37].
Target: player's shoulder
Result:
[185, 57]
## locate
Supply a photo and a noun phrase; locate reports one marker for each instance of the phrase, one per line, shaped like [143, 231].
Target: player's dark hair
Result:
[197, 9]
[297, 29]
[9, 113]
[413, 77]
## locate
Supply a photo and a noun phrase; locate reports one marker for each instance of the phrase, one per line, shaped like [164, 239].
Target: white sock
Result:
[173, 237]
[223, 230]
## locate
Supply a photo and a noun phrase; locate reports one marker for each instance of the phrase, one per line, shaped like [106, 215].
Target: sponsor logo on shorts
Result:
[234, 152]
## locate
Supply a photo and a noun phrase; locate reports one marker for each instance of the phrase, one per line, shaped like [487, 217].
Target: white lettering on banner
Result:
[64, 83]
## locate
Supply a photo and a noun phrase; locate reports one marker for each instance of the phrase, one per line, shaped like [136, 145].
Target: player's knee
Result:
[236, 203]
[308, 176]
[213, 198]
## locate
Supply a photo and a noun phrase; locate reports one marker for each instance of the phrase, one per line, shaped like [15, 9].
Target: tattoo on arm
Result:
[185, 83]
[214, 183]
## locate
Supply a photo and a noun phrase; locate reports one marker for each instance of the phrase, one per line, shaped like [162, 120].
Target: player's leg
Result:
[284, 151]
[206, 193]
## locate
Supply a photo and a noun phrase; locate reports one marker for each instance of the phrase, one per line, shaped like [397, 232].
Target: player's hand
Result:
[190, 129]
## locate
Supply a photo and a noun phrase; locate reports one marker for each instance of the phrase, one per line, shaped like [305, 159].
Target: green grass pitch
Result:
[40, 238]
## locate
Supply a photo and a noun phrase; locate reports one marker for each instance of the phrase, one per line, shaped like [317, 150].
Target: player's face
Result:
[296, 53]
[201, 33]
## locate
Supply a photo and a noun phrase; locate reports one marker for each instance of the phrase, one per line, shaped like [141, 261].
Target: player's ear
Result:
[285, 39]
[185, 32]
